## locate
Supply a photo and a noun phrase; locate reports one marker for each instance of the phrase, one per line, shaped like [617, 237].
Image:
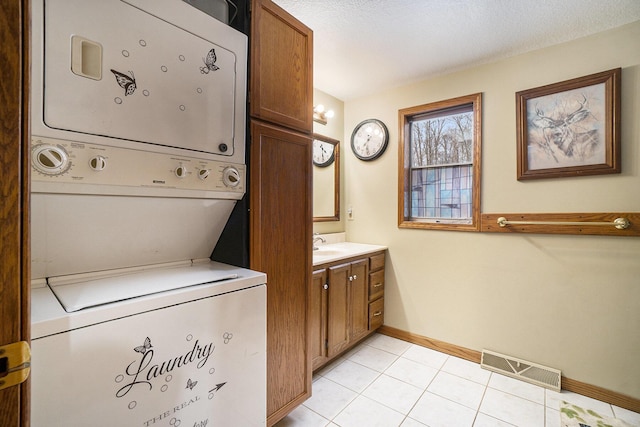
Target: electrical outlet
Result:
[350, 215]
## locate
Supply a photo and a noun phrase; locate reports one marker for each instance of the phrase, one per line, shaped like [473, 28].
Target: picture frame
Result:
[570, 128]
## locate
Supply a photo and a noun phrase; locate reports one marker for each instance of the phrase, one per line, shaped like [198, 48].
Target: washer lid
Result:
[74, 234]
[80, 291]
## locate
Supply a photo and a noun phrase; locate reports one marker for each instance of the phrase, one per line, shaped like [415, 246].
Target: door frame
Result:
[14, 197]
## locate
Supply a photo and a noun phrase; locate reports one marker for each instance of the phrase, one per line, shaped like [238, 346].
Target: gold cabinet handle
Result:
[377, 285]
[377, 313]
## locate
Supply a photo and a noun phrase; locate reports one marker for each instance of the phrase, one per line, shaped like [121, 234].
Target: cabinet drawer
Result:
[376, 284]
[376, 262]
[376, 314]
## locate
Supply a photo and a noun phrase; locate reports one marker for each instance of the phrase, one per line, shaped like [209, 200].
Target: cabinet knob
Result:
[355, 277]
[325, 286]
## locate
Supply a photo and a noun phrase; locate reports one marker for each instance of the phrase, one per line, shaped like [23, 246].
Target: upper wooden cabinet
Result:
[281, 64]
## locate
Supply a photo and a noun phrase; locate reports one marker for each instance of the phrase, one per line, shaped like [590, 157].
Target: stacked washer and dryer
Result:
[138, 139]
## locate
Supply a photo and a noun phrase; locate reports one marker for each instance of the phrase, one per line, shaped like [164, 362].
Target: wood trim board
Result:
[15, 258]
[489, 223]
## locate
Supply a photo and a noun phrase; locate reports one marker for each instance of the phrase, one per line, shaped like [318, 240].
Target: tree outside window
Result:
[440, 165]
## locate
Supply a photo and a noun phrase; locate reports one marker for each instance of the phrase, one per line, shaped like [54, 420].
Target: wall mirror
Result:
[326, 178]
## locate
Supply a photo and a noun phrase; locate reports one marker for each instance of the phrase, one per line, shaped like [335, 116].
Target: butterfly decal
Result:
[127, 83]
[191, 384]
[144, 347]
[209, 62]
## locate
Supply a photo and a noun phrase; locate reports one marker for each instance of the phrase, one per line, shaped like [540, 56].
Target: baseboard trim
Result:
[568, 384]
[595, 392]
[453, 350]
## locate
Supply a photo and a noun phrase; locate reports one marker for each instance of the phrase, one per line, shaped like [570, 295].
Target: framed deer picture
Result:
[571, 128]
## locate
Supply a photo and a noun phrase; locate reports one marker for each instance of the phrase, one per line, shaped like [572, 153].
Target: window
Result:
[439, 172]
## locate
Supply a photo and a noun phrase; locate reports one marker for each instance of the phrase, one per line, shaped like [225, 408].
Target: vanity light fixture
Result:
[321, 115]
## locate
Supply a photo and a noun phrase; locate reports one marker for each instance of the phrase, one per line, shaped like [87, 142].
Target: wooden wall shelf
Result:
[489, 223]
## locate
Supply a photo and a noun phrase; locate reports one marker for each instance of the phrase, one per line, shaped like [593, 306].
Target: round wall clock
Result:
[369, 139]
[323, 153]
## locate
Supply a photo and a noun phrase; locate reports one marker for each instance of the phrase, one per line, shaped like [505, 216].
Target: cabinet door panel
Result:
[318, 318]
[359, 299]
[280, 246]
[281, 85]
[338, 314]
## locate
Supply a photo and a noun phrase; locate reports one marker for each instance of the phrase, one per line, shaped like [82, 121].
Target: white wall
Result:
[569, 302]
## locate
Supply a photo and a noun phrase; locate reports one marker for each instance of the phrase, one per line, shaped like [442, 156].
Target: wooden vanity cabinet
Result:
[347, 304]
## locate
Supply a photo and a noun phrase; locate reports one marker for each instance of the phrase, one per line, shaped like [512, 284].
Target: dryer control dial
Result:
[204, 174]
[98, 163]
[50, 159]
[231, 176]
[181, 171]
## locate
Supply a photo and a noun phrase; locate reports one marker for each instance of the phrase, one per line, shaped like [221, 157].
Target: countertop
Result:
[337, 251]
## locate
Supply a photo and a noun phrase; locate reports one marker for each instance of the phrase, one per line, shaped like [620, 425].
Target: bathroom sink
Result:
[328, 252]
[336, 251]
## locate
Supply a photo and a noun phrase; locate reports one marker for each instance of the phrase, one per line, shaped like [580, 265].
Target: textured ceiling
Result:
[362, 46]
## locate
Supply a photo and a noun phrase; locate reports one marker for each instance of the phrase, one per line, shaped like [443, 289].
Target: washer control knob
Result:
[50, 159]
[204, 173]
[231, 176]
[98, 163]
[181, 171]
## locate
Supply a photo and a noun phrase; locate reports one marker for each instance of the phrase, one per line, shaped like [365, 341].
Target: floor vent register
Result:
[521, 369]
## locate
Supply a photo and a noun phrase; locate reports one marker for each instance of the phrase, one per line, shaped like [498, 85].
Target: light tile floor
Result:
[387, 382]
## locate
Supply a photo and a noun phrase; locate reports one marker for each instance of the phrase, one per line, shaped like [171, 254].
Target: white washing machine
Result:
[194, 356]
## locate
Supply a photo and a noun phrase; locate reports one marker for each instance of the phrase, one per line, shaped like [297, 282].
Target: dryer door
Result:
[115, 70]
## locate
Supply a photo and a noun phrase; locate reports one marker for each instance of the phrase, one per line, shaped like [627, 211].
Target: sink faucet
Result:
[315, 240]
